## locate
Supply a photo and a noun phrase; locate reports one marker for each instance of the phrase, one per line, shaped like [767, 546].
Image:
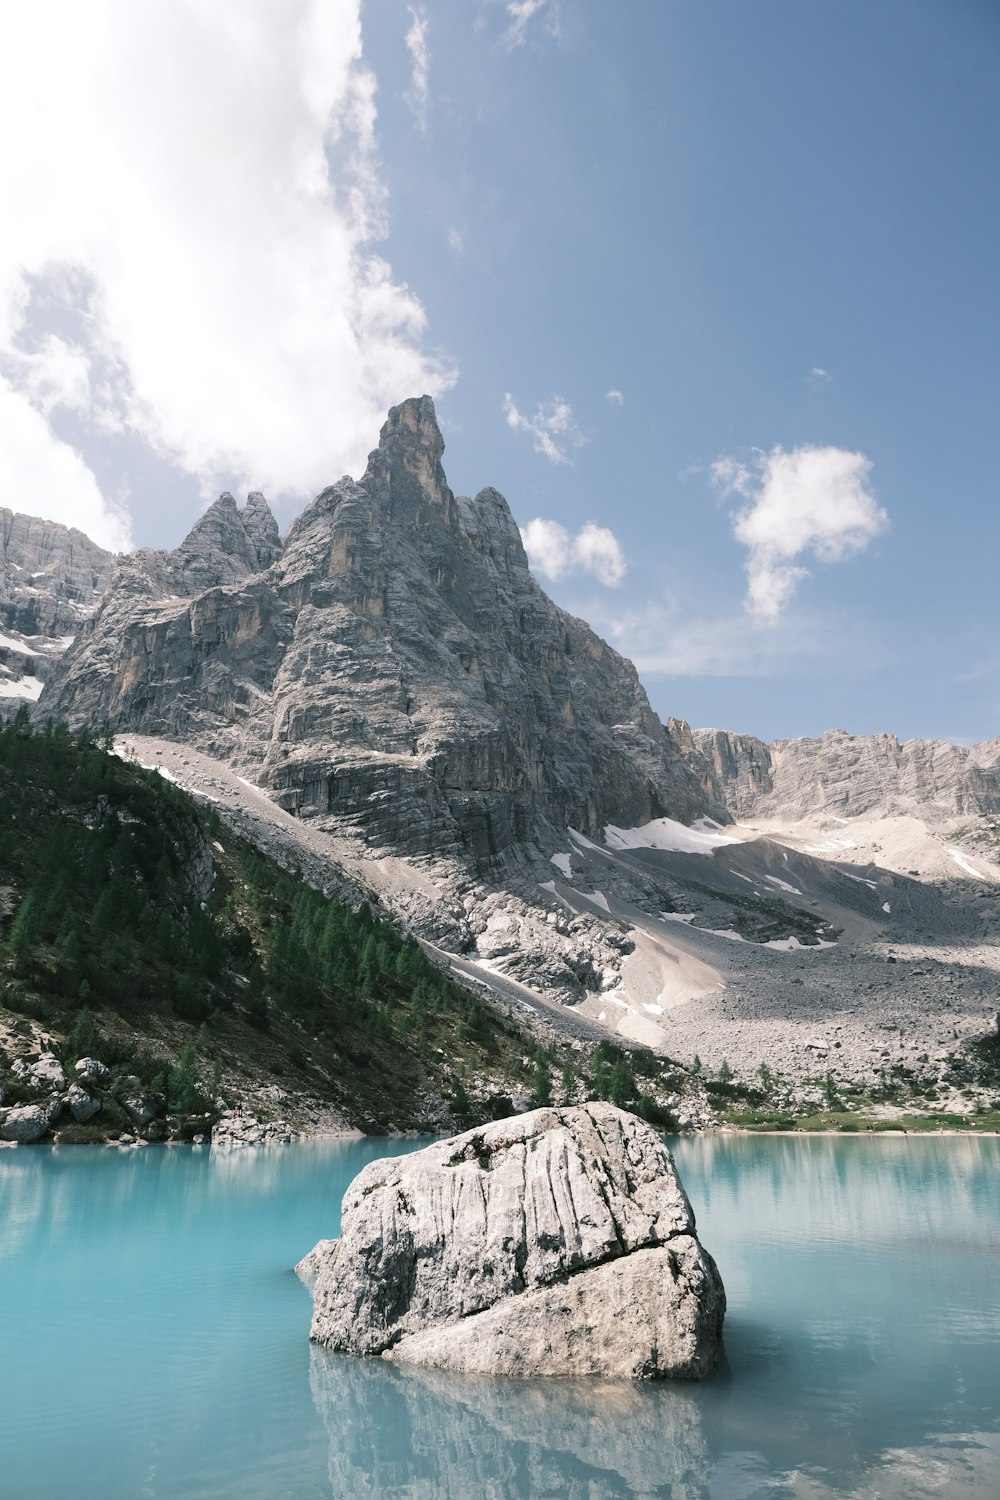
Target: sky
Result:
[708, 291]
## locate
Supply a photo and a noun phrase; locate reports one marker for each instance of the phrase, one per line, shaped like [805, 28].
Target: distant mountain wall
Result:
[843, 774]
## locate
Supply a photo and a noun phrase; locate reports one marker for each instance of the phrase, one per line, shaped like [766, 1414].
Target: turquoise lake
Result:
[153, 1339]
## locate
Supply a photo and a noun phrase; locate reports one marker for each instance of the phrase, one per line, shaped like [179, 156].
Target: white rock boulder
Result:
[559, 1242]
[91, 1071]
[83, 1106]
[25, 1124]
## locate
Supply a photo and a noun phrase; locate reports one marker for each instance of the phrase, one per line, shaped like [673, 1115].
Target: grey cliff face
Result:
[845, 774]
[556, 1242]
[395, 672]
[51, 578]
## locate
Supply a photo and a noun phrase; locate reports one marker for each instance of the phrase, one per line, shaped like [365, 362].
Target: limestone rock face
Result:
[556, 1242]
[395, 673]
[845, 774]
[51, 578]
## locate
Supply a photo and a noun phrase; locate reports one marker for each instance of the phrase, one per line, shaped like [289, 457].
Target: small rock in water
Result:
[559, 1242]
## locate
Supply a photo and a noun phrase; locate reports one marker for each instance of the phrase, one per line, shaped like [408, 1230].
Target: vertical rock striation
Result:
[394, 671]
[848, 775]
[556, 1243]
[51, 578]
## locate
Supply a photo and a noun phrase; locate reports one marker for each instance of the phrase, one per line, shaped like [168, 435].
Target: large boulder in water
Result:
[559, 1242]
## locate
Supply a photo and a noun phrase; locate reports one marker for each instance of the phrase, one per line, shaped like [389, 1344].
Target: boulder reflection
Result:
[431, 1433]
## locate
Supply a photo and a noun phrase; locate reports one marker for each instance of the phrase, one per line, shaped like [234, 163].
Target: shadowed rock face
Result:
[396, 671]
[51, 578]
[846, 774]
[559, 1242]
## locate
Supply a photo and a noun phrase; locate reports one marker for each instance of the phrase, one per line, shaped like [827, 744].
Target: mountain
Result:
[386, 699]
[394, 669]
[51, 578]
[191, 973]
[842, 774]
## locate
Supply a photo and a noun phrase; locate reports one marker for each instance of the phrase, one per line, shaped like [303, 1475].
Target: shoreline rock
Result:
[558, 1242]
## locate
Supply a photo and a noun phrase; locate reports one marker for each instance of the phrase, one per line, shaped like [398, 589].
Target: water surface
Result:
[153, 1340]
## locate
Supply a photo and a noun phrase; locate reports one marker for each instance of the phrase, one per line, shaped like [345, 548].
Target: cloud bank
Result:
[809, 502]
[187, 256]
[553, 552]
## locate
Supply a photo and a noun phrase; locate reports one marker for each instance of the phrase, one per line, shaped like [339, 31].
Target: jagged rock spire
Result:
[404, 472]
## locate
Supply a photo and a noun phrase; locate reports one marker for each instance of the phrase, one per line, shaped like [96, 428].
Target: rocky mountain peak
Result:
[404, 472]
[261, 529]
[226, 544]
[397, 673]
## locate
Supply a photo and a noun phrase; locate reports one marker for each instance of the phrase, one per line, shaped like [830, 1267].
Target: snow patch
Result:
[886, 907]
[22, 687]
[8, 643]
[963, 864]
[599, 899]
[782, 885]
[871, 884]
[583, 841]
[665, 833]
[678, 916]
[792, 945]
[562, 863]
[654, 1010]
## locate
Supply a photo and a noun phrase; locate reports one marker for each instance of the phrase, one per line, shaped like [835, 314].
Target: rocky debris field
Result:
[669, 950]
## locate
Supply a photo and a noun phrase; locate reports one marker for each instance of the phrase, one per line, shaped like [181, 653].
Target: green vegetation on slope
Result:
[141, 930]
[131, 907]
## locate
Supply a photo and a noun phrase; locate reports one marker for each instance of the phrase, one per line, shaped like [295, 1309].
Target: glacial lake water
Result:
[153, 1339]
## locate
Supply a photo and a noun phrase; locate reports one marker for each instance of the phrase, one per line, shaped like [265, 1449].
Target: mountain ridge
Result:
[397, 644]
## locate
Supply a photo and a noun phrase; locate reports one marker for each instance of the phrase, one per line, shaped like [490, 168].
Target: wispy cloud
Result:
[615, 398]
[523, 12]
[418, 94]
[552, 427]
[674, 641]
[153, 243]
[819, 376]
[554, 552]
[809, 502]
[456, 242]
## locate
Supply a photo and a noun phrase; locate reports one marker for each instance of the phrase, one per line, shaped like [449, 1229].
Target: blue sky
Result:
[770, 229]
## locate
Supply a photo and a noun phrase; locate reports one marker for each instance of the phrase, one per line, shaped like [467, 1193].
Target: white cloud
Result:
[594, 549]
[418, 95]
[552, 427]
[456, 243]
[819, 376]
[615, 398]
[522, 12]
[195, 191]
[811, 501]
[41, 476]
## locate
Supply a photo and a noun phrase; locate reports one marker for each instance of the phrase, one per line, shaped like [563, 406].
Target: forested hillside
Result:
[139, 930]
